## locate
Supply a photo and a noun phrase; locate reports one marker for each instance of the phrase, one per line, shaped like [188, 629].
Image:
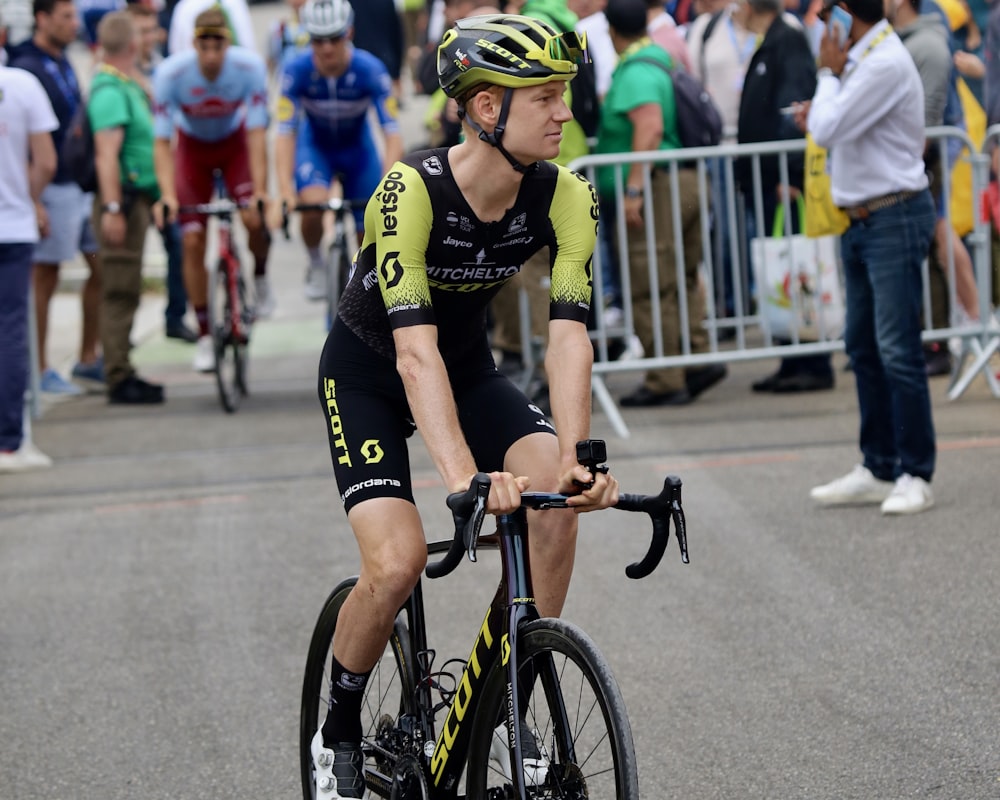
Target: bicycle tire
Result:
[576, 712]
[389, 694]
[230, 348]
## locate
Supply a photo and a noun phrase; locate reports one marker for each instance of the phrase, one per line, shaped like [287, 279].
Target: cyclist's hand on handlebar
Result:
[505, 492]
[590, 492]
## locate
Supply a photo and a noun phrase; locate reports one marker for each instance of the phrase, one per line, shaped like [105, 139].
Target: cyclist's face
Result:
[211, 55]
[537, 115]
[332, 55]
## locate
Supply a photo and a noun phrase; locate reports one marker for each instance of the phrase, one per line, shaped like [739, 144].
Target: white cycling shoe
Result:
[536, 765]
[339, 769]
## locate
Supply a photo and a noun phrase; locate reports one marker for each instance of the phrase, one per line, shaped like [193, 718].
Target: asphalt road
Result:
[159, 585]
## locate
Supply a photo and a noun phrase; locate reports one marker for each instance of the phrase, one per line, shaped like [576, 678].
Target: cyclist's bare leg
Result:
[312, 221]
[195, 277]
[258, 239]
[393, 553]
[552, 544]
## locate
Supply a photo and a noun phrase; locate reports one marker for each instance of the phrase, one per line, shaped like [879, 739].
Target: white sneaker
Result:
[910, 495]
[204, 355]
[858, 486]
[265, 297]
[339, 770]
[315, 288]
[536, 765]
[28, 457]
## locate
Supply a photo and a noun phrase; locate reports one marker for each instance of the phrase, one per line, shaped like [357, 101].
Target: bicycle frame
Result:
[232, 267]
[497, 641]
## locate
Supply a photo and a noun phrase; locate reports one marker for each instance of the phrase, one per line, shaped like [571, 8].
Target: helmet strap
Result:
[498, 131]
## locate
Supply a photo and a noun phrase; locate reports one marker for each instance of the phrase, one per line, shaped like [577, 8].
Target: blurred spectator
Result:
[27, 162]
[92, 12]
[148, 28]
[926, 39]
[119, 114]
[780, 72]
[287, 38]
[594, 24]
[640, 114]
[868, 110]
[664, 32]
[414, 29]
[237, 12]
[18, 23]
[379, 30]
[44, 56]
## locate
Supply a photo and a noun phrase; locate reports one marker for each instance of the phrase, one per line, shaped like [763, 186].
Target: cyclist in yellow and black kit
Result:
[445, 230]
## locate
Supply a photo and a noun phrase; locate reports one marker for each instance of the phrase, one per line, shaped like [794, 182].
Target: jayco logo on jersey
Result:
[456, 242]
[433, 165]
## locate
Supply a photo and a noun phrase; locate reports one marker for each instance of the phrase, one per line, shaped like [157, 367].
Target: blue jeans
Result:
[15, 274]
[882, 260]
[176, 294]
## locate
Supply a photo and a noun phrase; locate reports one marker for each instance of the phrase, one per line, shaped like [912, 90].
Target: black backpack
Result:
[698, 120]
[77, 153]
[586, 106]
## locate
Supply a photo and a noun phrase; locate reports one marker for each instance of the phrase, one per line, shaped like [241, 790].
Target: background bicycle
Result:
[555, 727]
[340, 254]
[230, 311]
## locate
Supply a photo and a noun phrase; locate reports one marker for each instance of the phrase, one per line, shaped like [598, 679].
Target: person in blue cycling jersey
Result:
[323, 129]
[211, 115]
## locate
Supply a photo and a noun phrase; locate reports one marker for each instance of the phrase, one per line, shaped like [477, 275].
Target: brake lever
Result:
[471, 530]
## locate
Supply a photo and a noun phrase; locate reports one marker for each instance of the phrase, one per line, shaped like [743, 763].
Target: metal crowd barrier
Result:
[742, 335]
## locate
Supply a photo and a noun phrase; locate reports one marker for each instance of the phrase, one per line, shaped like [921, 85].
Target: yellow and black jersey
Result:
[427, 259]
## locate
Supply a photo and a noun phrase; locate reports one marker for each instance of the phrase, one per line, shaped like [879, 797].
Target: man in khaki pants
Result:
[122, 122]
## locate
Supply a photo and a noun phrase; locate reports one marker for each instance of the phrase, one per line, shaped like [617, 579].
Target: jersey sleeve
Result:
[163, 100]
[574, 215]
[288, 110]
[107, 109]
[401, 250]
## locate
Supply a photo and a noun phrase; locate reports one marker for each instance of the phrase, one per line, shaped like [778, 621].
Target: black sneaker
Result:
[135, 391]
[339, 769]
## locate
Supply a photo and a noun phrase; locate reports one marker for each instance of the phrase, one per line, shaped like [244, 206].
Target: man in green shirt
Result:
[120, 116]
[639, 114]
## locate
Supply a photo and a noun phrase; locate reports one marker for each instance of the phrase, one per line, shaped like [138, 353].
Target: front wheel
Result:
[575, 712]
[230, 326]
[390, 695]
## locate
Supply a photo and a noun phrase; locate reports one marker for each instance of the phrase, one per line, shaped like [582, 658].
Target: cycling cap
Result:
[327, 18]
[507, 50]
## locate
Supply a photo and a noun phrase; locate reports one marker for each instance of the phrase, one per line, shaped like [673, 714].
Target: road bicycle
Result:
[343, 246]
[230, 314]
[534, 712]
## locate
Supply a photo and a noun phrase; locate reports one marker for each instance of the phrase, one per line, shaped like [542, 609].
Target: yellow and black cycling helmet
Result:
[507, 50]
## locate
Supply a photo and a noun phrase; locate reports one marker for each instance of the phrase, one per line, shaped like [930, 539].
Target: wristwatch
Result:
[631, 192]
[824, 71]
[113, 207]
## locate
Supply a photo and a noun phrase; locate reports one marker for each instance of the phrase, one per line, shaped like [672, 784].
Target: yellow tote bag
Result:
[823, 218]
[962, 205]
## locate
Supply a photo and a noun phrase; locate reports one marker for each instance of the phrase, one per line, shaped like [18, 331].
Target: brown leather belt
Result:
[866, 209]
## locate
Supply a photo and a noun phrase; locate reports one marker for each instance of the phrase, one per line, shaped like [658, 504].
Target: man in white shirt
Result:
[869, 111]
[181, 36]
[27, 162]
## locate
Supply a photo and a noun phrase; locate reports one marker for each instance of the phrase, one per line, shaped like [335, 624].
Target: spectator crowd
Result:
[761, 61]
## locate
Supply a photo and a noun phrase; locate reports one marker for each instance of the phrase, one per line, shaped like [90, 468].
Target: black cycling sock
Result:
[347, 691]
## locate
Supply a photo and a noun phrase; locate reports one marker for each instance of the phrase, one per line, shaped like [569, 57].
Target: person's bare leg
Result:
[90, 301]
[393, 553]
[966, 290]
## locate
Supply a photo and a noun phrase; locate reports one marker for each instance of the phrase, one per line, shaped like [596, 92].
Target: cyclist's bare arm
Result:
[429, 394]
[569, 357]
[257, 147]
[284, 165]
[394, 150]
[163, 163]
